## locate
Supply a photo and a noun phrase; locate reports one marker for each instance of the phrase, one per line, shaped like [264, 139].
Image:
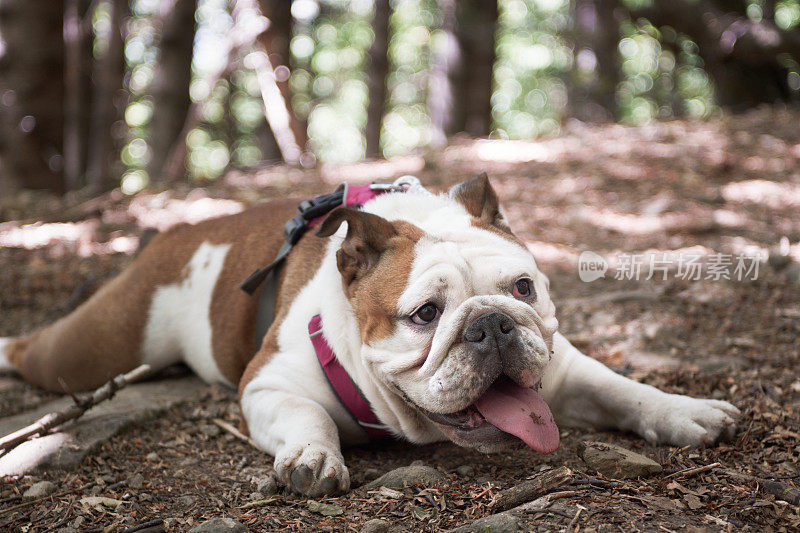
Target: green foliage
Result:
[661, 76]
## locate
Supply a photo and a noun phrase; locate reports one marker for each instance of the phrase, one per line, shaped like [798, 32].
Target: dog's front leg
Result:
[300, 434]
[584, 392]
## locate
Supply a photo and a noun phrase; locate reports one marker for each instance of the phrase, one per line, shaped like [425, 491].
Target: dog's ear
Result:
[367, 238]
[479, 199]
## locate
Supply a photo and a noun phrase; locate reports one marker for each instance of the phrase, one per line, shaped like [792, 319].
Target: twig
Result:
[146, 525]
[782, 491]
[43, 498]
[52, 420]
[528, 490]
[692, 471]
[235, 432]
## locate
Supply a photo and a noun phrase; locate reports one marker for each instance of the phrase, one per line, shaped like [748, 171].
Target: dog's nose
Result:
[490, 331]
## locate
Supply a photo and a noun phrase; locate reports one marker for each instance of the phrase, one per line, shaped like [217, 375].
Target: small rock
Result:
[219, 525]
[153, 457]
[255, 496]
[325, 509]
[210, 430]
[371, 474]
[376, 525]
[267, 486]
[400, 477]
[135, 481]
[465, 471]
[496, 523]
[615, 461]
[39, 490]
[418, 462]
[186, 501]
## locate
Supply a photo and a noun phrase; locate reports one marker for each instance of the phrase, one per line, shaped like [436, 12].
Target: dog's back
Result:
[159, 310]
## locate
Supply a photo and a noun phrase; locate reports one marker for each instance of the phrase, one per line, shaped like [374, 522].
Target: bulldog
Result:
[429, 304]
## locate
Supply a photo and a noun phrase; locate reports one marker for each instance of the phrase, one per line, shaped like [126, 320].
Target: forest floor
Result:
[730, 186]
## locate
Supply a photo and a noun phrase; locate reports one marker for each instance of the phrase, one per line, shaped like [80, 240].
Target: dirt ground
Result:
[730, 186]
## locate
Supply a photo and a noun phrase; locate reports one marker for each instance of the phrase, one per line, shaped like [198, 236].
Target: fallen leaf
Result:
[325, 509]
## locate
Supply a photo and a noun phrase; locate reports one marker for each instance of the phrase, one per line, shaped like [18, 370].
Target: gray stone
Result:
[186, 501]
[465, 471]
[136, 481]
[615, 461]
[39, 490]
[371, 473]
[267, 486]
[376, 525]
[153, 457]
[210, 430]
[400, 477]
[497, 523]
[65, 450]
[219, 525]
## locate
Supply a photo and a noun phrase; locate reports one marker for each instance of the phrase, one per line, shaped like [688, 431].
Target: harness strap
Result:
[347, 391]
[311, 212]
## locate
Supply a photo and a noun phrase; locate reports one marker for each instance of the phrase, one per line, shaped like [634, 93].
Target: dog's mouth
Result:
[507, 407]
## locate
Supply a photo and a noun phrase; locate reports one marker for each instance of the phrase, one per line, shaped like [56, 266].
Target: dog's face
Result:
[454, 316]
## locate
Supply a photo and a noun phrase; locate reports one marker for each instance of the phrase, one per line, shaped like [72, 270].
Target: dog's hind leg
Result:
[5, 364]
[154, 312]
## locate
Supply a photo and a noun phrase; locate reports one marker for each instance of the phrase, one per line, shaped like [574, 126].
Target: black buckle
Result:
[320, 205]
[294, 229]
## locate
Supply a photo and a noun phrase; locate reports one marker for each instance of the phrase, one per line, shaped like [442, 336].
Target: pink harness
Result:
[347, 391]
[311, 212]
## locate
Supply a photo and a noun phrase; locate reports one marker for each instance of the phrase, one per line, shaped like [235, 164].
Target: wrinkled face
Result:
[454, 316]
[475, 316]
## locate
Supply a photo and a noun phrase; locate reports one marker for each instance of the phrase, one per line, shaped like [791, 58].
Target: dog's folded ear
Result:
[367, 238]
[479, 199]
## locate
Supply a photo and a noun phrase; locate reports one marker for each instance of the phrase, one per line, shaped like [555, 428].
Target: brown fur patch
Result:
[374, 298]
[103, 337]
[301, 265]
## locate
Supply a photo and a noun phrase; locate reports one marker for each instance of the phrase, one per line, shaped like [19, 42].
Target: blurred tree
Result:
[275, 41]
[31, 95]
[77, 99]
[376, 76]
[460, 89]
[108, 76]
[595, 72]
[170, 87]
[744, 57]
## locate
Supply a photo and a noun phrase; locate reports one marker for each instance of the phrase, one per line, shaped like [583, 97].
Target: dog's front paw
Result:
[312, 470]
[684, 421]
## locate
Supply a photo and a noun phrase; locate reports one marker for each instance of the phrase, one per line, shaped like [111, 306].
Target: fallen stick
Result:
[528, 490]
[692, 471]
[52, 420]
[235, 432]
[781, 491]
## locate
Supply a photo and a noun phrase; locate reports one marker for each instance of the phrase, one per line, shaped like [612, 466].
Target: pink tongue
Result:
[521, 412]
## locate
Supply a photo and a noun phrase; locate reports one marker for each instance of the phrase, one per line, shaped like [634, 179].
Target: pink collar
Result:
[347, 391]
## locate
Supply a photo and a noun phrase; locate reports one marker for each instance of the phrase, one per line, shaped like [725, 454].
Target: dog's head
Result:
[453, 313]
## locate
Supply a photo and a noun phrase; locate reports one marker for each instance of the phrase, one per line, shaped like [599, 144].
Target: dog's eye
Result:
[522, 288]
[425, 314]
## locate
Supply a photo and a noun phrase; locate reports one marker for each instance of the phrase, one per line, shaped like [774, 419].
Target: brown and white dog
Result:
[436, 310]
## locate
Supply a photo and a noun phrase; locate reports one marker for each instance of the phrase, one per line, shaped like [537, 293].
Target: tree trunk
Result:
[109, 74]
[170, 89]
[31, 95]
[276, 42]
[461, 78]
[742, 57]
[596, 72]
[376, 77]
[77, 98]
[444, 110]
